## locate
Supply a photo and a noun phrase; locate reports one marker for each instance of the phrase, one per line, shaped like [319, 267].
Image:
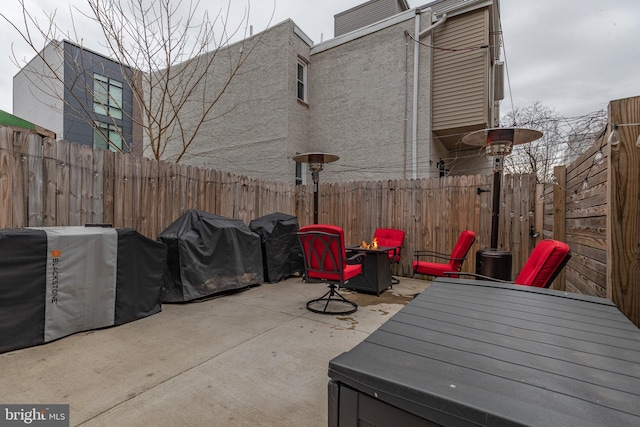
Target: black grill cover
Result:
[209, 254]
[141, 266]
[281, 252]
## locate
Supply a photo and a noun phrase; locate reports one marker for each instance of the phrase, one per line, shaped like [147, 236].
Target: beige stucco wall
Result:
[299, 112]
[361, 106]
[256, 123]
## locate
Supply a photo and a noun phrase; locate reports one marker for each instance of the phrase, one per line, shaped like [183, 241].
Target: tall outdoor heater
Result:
[498, 142]
[316, 162]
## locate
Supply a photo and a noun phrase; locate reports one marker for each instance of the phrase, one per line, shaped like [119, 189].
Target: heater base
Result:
[494, 263]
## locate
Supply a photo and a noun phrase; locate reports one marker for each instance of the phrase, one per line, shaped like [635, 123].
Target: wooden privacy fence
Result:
[44, 182]
[595, 207]
[433, 212]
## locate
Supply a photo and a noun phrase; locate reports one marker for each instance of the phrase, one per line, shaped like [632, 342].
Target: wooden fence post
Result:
[538, 215]
[6, 178]
[623, 221]
[560, 216]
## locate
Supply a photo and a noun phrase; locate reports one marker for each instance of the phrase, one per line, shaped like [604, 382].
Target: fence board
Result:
[62, 183]
[147, 208]
[36, 181]
[624, 201]
[108, 187]
[217, 192]
[97, 197]
[191, 182]
[163, 208]
[172, 202]
[584, 284]
[6, 178]
[589, 267]
[137, 180]
[86, 186]
[201, 177]
[75, 185]
[50, 177]
[20, 179]
[131, 192]
[119, 191]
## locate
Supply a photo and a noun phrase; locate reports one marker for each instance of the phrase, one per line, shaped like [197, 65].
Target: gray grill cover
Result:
[57, 281]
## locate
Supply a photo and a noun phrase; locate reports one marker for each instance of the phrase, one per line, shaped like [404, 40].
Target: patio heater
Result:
[498, 142]
[316, 162]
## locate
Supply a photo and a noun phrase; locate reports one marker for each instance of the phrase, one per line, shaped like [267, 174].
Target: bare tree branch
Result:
[177, 59]
[563, 140]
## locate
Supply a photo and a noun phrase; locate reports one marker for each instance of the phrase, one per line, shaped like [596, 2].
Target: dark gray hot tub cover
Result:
[209, 254]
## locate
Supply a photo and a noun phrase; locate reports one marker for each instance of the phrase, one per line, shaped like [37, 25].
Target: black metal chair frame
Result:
[431, 254]
[394, 280]
[310, 252]
[418, 255]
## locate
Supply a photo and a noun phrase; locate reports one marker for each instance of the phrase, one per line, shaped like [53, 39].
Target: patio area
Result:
[256, 357]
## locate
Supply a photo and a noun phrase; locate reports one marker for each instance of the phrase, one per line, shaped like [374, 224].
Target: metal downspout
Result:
[416, 67]
[406, 105]
[414, 112]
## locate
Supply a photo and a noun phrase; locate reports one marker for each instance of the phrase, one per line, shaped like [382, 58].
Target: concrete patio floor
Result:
[253, 358]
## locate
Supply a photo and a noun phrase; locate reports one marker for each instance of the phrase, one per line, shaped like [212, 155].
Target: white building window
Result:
[107, 96]
[302, 80]
[301, 173]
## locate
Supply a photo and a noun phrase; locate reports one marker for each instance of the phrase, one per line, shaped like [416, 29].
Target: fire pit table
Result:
[376, 270]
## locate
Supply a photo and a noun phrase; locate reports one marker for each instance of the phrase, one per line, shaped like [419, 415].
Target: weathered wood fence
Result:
[595, 207]
[433, 212]
[44, 182]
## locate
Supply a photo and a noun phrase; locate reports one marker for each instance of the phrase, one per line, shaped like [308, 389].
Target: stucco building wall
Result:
[256, 122]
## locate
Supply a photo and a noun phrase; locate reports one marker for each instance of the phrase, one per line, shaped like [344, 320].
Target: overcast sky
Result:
[571, 55]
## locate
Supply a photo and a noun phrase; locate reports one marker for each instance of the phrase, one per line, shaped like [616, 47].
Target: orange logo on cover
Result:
[56, 253]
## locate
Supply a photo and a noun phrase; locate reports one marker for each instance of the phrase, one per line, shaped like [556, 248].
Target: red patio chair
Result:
[454, 260]
[544, 264]
[325, 260]
[391, 237]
